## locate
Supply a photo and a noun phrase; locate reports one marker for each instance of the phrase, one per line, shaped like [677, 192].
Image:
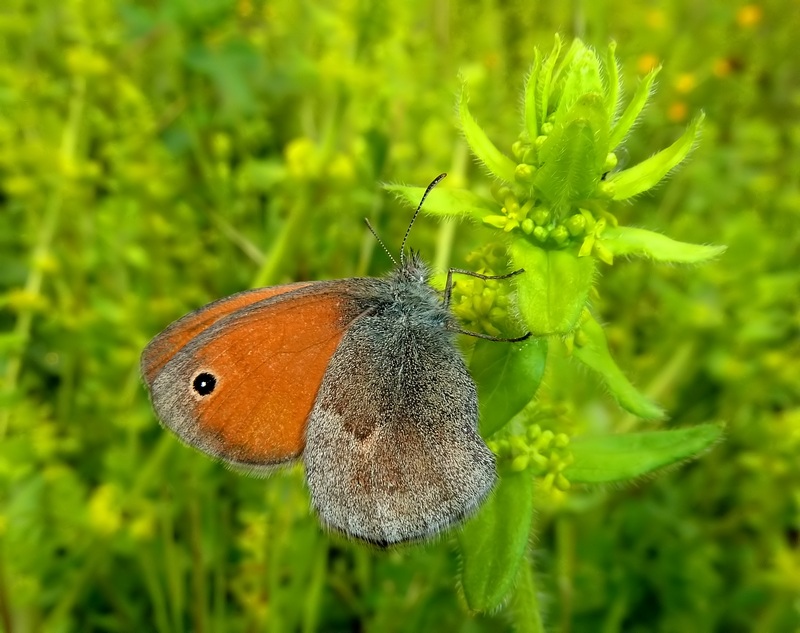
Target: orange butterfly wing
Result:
[267, 360]
[164, 346]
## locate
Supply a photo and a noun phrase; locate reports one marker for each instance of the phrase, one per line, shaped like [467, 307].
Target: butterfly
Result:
[360, 378]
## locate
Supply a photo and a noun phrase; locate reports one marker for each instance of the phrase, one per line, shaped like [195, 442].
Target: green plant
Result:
[553, 205]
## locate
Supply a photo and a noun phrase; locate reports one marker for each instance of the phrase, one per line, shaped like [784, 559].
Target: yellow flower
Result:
[677, 112]
[105, 515]
[749, 15]
[646, 63]
[656, 19]
[722, 67]
[244, 8]
[302, 158]
[686, 82]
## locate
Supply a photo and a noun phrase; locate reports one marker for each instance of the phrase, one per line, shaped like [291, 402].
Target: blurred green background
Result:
[157, 155]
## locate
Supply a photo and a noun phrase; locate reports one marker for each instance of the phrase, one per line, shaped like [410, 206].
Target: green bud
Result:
[611, 162]
[518, 445]
[545, 439]
[547, 129]
[524, 173]
[561, 440]
[527, 226]
[500, 192]
[540, 461]
[540, 140]
[559, 235]
[534, 431]
[519, 463]
[541, 216]
[540, 233]
[576, 225]
[606, 189]
[529, 156]
[517, 148]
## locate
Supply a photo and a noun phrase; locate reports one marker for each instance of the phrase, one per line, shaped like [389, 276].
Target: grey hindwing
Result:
[392, 450]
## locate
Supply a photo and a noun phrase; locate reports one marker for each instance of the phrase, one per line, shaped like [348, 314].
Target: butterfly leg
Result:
[448, 289]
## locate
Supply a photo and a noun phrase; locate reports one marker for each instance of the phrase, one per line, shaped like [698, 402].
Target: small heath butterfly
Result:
[360, 378]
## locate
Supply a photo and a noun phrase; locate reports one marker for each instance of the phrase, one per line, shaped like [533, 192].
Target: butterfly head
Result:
[413, 269]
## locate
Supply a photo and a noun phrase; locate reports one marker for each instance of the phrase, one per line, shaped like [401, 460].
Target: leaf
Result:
[507, 376]
[493, 543]
[544, 87]
[611, 458]
[531, 125]
[625, 240]
[594, 354]
[612, 83]
[581, 80]
[573, 154]
[648, 173]
[553, 290]
[634, 109]
[498, 163]
[569, 176]
[447, 202]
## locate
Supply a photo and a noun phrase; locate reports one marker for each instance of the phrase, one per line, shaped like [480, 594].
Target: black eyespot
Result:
[204, 383]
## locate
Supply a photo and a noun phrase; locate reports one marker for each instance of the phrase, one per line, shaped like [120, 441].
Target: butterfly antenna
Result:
[380, 241]
[435, 182]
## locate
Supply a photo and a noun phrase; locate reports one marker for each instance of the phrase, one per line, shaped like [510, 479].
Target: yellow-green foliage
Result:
[157, 155]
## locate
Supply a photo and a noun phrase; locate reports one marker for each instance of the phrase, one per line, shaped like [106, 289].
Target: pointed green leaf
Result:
[612, 83]
[634, 109]
[553, 290]
[498, 163]
[594, 354]
[582, 79]
[577, 47]
[531, 123]
[546, 77]
[648, 173]
[446, 202]
[493, 542]
[568, 175]
[613, 458]
[507, 376]
[625, 240]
